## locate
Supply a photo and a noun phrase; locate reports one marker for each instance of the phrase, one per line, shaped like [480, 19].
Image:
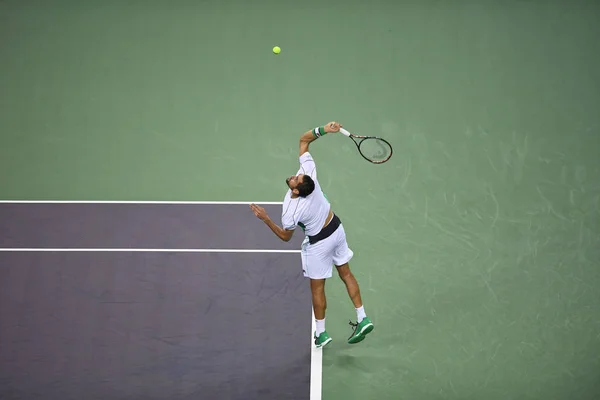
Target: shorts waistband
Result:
[327, 231]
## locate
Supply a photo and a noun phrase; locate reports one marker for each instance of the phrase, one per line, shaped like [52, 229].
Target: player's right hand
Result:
[332, 127]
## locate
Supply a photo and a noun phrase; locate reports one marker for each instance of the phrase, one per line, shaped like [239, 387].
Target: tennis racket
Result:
[373, 149]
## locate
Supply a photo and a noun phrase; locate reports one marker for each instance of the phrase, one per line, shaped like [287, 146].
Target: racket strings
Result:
[375, 149]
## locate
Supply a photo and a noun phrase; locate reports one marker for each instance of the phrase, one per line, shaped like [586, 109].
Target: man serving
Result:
[324, 244]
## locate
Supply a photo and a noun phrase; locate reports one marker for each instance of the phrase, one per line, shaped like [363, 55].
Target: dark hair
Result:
[306, 187]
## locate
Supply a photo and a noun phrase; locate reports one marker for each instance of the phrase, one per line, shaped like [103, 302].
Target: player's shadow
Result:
[351, 359]
[348, 361]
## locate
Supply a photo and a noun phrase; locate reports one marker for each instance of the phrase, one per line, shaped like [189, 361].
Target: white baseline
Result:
[124, 249]
[137, 202]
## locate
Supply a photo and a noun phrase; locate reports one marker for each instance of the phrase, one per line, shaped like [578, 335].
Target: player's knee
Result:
[317, 286]
[344, 271]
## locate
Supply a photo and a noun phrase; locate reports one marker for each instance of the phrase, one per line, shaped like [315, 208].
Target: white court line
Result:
[316, 363]
[135, 202]
[126, 250]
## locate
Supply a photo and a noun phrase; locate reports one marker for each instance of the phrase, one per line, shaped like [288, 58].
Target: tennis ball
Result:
[276, 50]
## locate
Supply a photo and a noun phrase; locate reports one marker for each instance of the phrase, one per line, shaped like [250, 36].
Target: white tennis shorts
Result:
[318, 259]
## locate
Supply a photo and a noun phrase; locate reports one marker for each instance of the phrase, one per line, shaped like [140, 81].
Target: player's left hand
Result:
[259, 212]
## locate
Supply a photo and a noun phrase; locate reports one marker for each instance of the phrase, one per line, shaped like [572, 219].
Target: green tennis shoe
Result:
[322, 340]
[361, 330]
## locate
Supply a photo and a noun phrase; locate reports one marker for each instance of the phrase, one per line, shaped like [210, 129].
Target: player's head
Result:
[301, 185]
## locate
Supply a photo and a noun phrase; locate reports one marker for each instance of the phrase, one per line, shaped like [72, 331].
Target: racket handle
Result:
[344, 132]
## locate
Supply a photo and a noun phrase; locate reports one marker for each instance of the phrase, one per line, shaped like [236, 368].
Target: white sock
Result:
[320, 326]
[360, 313]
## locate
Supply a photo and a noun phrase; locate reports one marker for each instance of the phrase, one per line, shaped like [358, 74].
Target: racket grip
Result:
[344, 132]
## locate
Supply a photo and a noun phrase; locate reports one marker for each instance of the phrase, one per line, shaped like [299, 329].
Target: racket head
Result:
[375, 150]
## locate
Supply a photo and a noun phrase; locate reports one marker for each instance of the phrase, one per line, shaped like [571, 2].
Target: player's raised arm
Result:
[316, 133]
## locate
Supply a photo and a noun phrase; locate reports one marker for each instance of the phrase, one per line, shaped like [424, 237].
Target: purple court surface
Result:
[151, 301]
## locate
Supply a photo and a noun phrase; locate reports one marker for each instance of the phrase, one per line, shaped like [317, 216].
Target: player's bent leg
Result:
[351, 284]
[319, 301]
[363, 326]
[342, 256]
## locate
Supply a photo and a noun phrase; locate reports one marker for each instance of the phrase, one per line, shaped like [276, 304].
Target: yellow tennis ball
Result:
[276, 50]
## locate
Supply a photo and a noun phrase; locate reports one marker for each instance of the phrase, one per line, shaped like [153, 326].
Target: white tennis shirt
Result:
[310, 212]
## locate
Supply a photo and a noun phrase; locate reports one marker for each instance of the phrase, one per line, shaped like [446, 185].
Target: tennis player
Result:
[324, 244]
